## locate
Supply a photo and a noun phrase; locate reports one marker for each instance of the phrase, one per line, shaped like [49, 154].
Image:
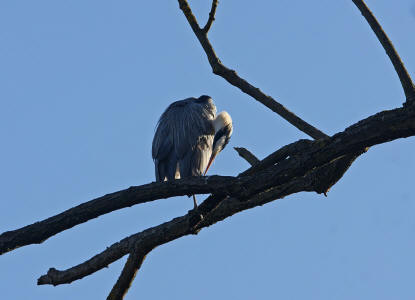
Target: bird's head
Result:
[207, 103]
[203, 98]
[223, 131]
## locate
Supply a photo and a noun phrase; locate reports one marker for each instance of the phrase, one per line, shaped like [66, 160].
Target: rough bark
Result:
[304, 165]
[38, 232]
[305, 171]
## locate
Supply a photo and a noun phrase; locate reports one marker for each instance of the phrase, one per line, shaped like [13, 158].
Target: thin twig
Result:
[247, 155]
[404, 77]
[232, 77]
[211, 16]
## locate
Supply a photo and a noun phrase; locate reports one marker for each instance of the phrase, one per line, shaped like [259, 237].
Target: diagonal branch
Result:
[400, 69]
[132, 265]
[279, 155]
[162, 234]
[232, 77]
[306, 171]
[211, 16]
[286, 157]
[38, 232]
[321, 178]
[247, 155]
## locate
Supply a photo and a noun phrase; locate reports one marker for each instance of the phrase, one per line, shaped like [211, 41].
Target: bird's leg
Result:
[194, 202]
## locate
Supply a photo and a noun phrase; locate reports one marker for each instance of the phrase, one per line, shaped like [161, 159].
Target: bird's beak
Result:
[212, 157]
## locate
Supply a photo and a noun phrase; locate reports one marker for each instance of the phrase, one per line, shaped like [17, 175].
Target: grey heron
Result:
[188, 137]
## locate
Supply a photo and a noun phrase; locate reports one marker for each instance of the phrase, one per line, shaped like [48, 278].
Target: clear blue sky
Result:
[82, 84]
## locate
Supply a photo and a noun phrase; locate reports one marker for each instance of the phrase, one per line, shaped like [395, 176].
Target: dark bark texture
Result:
[316, 168]
[306, 165]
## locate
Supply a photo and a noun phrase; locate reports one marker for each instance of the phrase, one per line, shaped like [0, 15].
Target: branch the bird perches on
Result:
[305, 165]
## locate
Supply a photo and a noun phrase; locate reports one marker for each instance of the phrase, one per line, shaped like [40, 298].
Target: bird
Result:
[188, 137]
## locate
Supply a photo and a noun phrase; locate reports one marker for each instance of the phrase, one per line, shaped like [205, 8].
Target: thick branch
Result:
[400, 124]
[323, 178]
[302, 172]
[161, 234]
[211, 16]
[38, 232]
[279, 155]
[232, 77]
[400, 69]
[247, 155]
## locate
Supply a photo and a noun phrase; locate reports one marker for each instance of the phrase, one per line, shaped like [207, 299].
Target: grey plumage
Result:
[182, 144]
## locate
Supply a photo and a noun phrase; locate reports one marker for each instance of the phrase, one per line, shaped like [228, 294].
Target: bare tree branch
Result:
[305, 171]
[301, 166]
[325, 177]
[164, 233]
[132, 265]
[279, 155]
[232, 77]
[400, 69]
[38, 232]
[161, 234]
[333, 171]
[247, 155]
[211, 16]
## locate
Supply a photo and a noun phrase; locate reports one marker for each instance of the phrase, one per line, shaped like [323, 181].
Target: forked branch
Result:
[301, 166]
[307, 171]
[38, 232]
[234, 79]
[211, 16]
